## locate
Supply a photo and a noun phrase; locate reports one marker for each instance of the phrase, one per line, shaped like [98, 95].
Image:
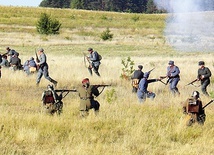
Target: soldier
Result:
[43, 67]
[51, 101]
[173, 77]
[15, 63]
[142, 91]
[204, 75]
[136, 77]
[11, 52]
[94, 61]
[86, 93]
[30, 66]
[192, 107]
[5, 62]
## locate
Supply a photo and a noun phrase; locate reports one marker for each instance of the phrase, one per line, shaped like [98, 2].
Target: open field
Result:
[123, 126]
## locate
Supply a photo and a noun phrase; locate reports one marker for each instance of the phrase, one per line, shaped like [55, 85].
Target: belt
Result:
[85, 98]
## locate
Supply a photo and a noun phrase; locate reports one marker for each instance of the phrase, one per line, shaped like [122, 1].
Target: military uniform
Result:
[87, 101]
[136, 77]
[206, 73]
[173, 75]
[43, 69]
[142, 92]
[192, 107]
[95, 62]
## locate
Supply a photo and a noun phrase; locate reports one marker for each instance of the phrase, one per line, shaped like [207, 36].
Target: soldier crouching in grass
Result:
[193, 109]
[52, 102]
[142, 92]
[86, 93]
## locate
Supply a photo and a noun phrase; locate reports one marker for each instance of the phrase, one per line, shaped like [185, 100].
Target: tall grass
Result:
[122, 127]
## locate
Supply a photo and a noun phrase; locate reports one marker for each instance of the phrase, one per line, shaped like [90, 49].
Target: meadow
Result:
[123, 127]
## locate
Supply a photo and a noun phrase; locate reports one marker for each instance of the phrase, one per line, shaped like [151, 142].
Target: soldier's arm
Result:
[42, 60]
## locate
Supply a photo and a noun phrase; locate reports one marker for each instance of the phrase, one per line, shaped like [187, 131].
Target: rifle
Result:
[207, 104]
[151, 70]
[163, 77]
[164, 82]
[37, 58]
[67, 91]
[85, 57]
[101, 85]
[191, 83]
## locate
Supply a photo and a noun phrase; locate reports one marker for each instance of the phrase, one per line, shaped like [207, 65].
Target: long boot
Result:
[90, 71]
[54, 82]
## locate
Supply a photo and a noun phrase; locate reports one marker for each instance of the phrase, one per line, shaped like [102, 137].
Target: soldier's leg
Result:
[173, 86]
[204, 88]
[90, 70]
[151, 95]
[96, 68]
[84, 113]
[39, 76]
[96, 106]
[134, 90]
[46, 75]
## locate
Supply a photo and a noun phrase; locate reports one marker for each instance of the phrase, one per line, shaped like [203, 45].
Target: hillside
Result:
[131, 32]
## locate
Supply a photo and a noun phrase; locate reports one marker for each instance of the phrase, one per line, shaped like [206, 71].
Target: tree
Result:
[47, 25]
[55, 3]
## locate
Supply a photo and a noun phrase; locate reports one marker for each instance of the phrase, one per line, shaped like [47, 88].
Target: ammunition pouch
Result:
[135, 83]
[33, 69]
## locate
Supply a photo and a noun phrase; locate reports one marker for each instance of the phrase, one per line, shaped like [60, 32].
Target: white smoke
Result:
[189, 26]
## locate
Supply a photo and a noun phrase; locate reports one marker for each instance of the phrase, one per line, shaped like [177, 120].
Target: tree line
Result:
[131, 6]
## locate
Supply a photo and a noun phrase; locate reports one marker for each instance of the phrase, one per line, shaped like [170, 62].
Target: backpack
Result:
[99, 57]
[48, 97]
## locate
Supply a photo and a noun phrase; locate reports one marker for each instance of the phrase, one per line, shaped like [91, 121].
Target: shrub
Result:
[128, 68]
[106, 35]
[48, 25]
[111, 96]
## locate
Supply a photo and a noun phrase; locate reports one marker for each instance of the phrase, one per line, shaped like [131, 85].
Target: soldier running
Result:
[95, 62]
[43, 67]
[204, 75]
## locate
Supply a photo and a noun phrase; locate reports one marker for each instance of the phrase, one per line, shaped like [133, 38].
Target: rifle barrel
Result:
[207, 104]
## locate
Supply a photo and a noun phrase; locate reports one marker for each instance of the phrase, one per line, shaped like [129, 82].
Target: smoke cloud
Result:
[189, 25]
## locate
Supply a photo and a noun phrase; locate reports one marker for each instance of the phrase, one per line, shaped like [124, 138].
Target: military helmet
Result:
[196, 94]
[50, 87]
[146, 75]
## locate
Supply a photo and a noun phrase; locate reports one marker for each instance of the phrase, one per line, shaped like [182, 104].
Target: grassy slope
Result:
[124, 126]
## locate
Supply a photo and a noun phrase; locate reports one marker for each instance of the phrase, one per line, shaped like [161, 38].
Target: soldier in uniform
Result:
[87, 93]
[142, 92]
[30, 66]
[15, 63]
[51, 101]
[43, 68]
[173, 77]
[95, 62]
[11, 52]
[136, 77]
[204, 75]
[192, 107]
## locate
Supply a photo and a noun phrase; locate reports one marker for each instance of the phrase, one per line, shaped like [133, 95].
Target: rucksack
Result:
[48, 97]
[99, 57]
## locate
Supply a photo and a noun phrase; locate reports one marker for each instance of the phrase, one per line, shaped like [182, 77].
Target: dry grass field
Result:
[123, 127]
